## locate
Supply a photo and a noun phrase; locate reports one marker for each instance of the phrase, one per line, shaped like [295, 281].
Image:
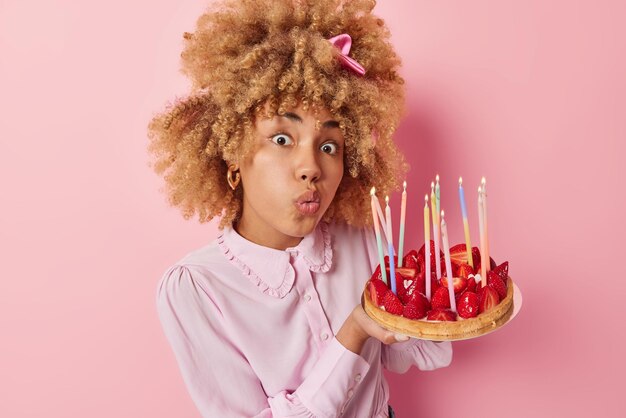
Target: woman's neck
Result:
[265, 235]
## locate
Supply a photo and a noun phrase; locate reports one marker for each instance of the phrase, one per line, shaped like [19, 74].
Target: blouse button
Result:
[350, 393]
[324, 336]
[357, 378]
[307, 297]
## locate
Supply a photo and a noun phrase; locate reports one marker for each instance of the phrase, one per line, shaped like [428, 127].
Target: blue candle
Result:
[462, 197]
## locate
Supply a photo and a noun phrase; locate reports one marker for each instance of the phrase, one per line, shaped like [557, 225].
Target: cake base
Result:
[460, 329]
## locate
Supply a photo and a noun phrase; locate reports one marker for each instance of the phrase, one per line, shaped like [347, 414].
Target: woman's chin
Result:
[303, 225]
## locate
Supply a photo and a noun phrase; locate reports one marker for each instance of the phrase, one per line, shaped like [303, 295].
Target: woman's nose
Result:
[308, 168]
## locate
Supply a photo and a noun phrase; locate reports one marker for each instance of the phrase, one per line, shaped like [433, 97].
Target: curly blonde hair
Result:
[246, 54]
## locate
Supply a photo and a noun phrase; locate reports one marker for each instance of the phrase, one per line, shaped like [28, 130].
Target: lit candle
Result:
[468, 244]
[402, 219]
[437, 194]
[484, 192]
[381, 218]
[392, 266]
[433, 205]
[483, 267]
[379, 243]
[446, 253]
[427, 244]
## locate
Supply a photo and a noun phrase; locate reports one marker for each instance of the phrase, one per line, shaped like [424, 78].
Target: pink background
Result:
[530, 94]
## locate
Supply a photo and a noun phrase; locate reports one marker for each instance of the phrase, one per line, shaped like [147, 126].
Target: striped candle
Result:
[402, 220]
[483, 263]
[468, 243]
[427, 244]
[379, 243]
[433, 205]
[392, 263]
[486, 230]
[446, 253]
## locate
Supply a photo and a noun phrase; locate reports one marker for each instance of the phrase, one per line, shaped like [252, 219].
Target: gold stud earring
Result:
[233, 183]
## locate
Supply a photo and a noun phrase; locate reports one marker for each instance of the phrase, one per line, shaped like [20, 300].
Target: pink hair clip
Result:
[343, 42]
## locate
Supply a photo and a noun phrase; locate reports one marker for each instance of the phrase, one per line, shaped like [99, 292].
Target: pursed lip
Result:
[308, 203]
[310, 196]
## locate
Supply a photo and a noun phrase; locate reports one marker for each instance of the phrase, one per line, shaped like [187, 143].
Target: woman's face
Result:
[291, 176]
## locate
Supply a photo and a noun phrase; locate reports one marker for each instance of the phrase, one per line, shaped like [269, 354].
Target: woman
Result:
[288, 127]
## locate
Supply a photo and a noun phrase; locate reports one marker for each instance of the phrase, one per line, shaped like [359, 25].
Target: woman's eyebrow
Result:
[294, 117]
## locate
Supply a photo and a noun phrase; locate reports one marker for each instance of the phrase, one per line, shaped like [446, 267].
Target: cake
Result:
[479, 309]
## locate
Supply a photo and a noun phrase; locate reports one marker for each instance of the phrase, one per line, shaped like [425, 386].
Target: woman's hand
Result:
[358, 327]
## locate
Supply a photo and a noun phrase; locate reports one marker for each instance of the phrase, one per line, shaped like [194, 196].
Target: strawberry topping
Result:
[487, 299]
[392, 304]
[441, 298]
[378, 289]
[464, 271]
[441, 315]
[459, 283]
[410, 260]
[467, 306]
[496, 282]
[417, 307]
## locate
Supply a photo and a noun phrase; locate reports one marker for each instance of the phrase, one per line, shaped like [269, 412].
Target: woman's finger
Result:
[371, 328]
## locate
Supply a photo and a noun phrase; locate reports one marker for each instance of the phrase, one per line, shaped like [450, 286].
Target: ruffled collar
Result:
[270, 269]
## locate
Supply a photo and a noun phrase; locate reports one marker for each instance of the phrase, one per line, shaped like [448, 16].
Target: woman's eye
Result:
[281, 139]
[330, 148]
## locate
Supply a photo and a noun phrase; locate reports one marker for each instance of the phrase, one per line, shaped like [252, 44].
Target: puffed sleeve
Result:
[426, 355]
[218, 377]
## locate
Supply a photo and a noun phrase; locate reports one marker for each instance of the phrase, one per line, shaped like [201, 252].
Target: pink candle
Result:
[446, 253]
[427, 244]
[484, 193]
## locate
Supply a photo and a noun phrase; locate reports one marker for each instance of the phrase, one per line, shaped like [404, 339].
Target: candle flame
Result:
[432, 185]
[460, 181]
[480, 190]
[437, 178]
[373, 191]
[387, 200]
[404, 184]
[426, 198]
[442, 214]
[483, 181]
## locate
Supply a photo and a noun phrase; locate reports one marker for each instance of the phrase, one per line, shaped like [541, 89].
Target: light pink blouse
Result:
[253, 328]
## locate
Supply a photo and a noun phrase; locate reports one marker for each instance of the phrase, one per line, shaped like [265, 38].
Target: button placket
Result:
[318, 322]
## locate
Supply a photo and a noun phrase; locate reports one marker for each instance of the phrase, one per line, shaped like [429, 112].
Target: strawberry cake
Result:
[479, 309]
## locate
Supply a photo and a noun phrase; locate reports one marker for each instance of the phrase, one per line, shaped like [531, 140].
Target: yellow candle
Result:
[402, 219]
